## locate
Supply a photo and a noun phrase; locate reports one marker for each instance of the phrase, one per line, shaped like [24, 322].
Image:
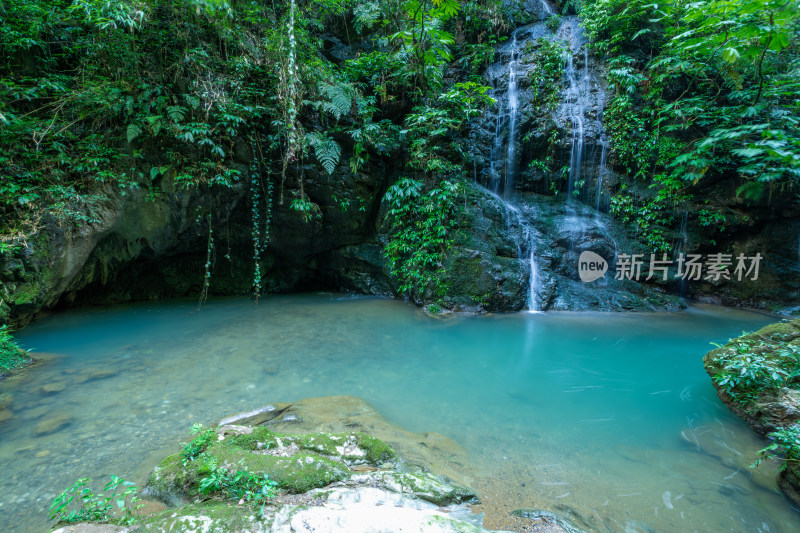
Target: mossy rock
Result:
[207, 517]
[425, 486]
[296, 473]
[443, 523]
[770, 407]
[351, 448]
[171, 483]
[770, 342]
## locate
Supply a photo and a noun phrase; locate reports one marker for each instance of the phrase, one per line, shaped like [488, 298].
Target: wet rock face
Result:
[141, 248]
[488, 267]
[520, 130]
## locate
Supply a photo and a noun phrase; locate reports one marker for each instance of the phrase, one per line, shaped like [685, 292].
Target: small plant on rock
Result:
[11, 355]
[115, 507]
[753, 369]
[785, 446]
[243, 486]
[198, 445]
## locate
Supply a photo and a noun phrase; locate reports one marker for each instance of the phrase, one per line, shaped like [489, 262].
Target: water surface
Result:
[609, 418]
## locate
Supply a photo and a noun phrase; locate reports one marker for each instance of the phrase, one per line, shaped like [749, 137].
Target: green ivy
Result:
[420, 235]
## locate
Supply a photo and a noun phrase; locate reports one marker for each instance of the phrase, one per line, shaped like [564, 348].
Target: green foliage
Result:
[241, 485]
[785, 447]
[704, 90]
[553, 22]
[166, 95]
[754, 368]
[419, 236]
[308, 210]
[424, 43]
[11, 355]
[619, 26]
[650, 217]
[261, 216]
[326, 150]
[204, 437]
[547, 71]
[79, 503]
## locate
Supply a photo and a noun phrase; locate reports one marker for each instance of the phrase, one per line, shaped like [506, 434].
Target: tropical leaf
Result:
[133, 131]
[326, 150]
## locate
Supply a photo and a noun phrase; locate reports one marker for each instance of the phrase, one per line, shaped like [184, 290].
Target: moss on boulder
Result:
[351, 448]
[295, 473]
[297, 463]
[207, 517]
[425, 486]
[758, 377]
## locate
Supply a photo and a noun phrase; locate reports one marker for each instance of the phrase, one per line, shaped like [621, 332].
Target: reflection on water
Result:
[607, 417]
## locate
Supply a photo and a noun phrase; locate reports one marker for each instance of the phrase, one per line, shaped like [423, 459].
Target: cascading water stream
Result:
[503, 156]
[526, 240]
[503, 168]
[577, 110]
[513, 105]
[683, 247]
[602, 169]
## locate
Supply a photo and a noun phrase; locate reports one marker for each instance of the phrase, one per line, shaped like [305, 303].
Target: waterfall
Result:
[526, 248]
[683, 247]
[502, 167]
[503, 153]
[539, 7]
[513, 104]
[575, 100]
[601, 173]
[533, 280]
[526, 244]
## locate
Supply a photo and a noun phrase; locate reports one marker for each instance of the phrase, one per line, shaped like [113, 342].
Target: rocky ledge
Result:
[758, 377]
[329, 475]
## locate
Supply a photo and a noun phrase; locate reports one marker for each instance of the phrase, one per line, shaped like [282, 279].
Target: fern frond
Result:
[339, 98]
[326, 150]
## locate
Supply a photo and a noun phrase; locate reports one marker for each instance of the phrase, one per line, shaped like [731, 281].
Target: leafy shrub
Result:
[785, 446]
[242, 486]
[419, 237]
[198, 445]
[753, 369]
[553, 22]
[11, 355]
[116, 508]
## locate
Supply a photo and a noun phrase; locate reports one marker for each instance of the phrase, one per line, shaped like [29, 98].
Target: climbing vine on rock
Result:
[261, 216]
[420, 235]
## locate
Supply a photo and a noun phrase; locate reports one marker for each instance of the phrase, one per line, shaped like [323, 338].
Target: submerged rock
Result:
[546, 521]
[91, 528]
[52, 424]
[5, 400]
[50, 388]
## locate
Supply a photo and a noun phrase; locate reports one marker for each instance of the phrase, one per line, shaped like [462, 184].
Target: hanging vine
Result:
[260, 222]
[290, 76]
[209, 256]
